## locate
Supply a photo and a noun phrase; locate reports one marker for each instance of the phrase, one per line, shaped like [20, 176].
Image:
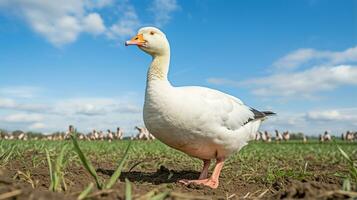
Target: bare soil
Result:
[321, 185]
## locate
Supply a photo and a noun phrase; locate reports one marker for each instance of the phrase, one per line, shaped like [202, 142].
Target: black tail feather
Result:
[259, 114]
[267, 113]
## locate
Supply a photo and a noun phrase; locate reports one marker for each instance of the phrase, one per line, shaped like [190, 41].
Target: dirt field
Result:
[270, 171]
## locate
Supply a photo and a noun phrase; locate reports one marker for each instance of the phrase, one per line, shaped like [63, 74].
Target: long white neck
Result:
[159, 67]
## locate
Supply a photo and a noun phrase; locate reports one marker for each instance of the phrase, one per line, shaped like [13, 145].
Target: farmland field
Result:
[269, 170]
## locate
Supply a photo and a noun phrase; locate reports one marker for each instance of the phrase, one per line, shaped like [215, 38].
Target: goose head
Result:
[151, 40]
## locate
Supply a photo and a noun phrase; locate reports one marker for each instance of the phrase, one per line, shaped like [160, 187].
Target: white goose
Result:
[201, 122]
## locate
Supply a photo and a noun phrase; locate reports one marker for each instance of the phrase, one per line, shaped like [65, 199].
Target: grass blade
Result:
[344, 154]
[346, 186]
[58, 169]
[85, 192]
[113, 179]
[127, 190]
[88, 165]
[160, 196]
[7, 155]
[50, 169]
[353, 168]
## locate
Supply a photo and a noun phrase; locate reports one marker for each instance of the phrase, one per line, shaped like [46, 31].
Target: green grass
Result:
[128, 190]
[88, 165]
[352, 169]
[85, 192]
[56, 174]
[257, 163]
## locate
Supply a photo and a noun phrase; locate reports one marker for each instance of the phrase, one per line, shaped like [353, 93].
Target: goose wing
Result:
[215, 108]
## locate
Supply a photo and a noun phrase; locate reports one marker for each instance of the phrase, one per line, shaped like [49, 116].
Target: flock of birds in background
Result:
[144, 134]
[326, 137]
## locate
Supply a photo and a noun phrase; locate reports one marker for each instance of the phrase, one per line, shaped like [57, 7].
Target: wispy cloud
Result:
[305, 83]
[20, 91]
[302, 74]
[22, 117]
[126, 25]
[62, 22]
[300, 57]
[37, 126]
[7, 103]
[347, 115]
[94, 106]
[162, 11]
[93, 23]
[314, 122]
[86, 113]
[305, 74]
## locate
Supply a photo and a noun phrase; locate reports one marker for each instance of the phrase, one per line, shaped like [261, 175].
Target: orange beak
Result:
[136, 40]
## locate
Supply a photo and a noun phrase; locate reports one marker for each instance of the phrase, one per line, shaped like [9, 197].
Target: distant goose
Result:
[202, 122]
[119, 134]
[257, 136]
[110, 136]
[267, 136]
[349, 136]
[321, 138]
[144, 134]
[326, 136]
[278, 136]
[286, 136]
[304, 139]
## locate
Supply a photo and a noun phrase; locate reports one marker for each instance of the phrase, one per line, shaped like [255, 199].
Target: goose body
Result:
[201, 122]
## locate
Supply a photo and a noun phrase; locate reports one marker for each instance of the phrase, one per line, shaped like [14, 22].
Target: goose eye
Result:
[152, 33]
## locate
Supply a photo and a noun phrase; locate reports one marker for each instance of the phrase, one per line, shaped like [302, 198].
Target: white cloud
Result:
[295, 59]
[94, 113]
[162, 10]
[336, 120]
[126, 26]
[99, 3]
[103, 113]
[17, 98]
[223, 81]
[19, 91]
[324, 115]
[37, 126]
[22, 118]
[11, 104]
[303, 73]
[300, 57]
[93, 23]
[304, 83]
[7, 103]
[60, 22]
[94, 106]
[349, 115]
[323, 71]
[85, 113]
[314, 122]
[286, 121]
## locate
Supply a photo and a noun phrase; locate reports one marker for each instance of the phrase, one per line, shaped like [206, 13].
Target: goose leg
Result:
[212, 181]
[204, 172]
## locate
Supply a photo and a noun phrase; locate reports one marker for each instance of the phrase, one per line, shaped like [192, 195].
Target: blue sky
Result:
[65, 63]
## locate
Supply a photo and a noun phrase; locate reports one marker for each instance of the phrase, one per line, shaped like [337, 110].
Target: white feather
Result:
[199, 121]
